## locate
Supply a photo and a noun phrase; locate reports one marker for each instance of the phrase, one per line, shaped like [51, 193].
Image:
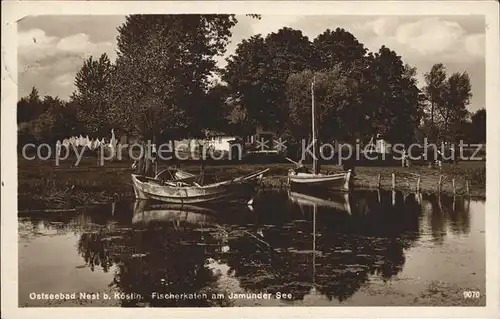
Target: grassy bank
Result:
[42, 184]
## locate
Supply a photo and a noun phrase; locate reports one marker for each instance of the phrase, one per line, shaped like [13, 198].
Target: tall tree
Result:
[397, 102]
[258, 72]
[242, 75]
[338, 47]
[59, 121]
[455, 99]
[213, 114]
[163, 68]
[34, 96]
[435, 81]
[335, 99]
[29, 107]
[479, 126]
[93, 94]
[65, 116]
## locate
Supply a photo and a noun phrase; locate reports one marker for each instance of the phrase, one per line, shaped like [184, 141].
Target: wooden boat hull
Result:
[145, 188]
[340, 181]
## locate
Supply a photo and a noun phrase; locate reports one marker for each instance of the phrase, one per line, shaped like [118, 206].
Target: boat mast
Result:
[313, 117]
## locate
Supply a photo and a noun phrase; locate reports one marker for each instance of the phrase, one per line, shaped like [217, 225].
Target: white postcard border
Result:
[12, 11]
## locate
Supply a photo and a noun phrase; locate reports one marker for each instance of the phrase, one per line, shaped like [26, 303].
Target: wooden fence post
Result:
[453, 183]
[418, 184]
[439, 183]
[467, 187]
[393, 181]
[378, 181]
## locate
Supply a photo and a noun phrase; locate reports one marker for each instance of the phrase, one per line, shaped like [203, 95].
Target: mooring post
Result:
[418, 184]
[453, 183]
[393, 181]
[467, 187]
[378, 181]
[439, 183]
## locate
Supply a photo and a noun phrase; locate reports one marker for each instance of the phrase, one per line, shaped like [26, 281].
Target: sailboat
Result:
[304, 177]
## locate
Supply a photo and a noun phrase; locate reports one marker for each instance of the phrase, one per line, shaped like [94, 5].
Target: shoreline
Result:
[42, 186]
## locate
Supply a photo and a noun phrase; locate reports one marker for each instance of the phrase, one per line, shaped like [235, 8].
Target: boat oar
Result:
[250, 176]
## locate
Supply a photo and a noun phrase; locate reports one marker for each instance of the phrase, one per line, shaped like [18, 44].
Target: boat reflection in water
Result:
[144, 212]
[338, 202]
[319, 248]
[335, 244]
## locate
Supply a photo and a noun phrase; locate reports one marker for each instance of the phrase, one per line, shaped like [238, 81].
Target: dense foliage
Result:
[162, 87]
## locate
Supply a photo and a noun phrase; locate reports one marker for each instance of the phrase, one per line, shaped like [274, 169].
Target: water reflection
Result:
[330, 245]
[446, 214]
[321, 245]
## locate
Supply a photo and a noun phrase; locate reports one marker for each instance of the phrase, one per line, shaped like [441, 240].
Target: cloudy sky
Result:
[52, 48]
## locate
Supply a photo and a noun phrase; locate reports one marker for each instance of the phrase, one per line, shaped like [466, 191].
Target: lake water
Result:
[366, 249]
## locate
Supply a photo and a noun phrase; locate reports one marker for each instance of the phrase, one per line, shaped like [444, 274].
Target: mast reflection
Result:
[316, 246]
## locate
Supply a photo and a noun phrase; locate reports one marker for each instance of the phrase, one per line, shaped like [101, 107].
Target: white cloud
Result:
[430, 36]
[50, 63]
[385, 26]
[425, 40]
[269, 24]
[475, 45]
[27, 38]
[35, 45]
[65, 80]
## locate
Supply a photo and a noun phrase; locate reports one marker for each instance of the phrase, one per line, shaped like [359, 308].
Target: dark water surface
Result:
[365, 249]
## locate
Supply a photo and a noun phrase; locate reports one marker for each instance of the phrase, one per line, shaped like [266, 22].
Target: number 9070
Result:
[471, 294]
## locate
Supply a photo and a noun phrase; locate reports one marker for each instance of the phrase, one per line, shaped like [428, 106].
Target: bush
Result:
[476, 175]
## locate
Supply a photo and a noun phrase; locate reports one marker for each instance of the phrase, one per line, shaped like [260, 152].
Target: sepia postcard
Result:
[250, 159]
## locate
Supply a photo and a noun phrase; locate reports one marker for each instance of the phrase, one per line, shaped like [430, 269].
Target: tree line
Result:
[165, 84]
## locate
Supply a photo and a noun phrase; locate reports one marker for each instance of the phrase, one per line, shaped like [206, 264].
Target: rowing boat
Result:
[181, 188]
